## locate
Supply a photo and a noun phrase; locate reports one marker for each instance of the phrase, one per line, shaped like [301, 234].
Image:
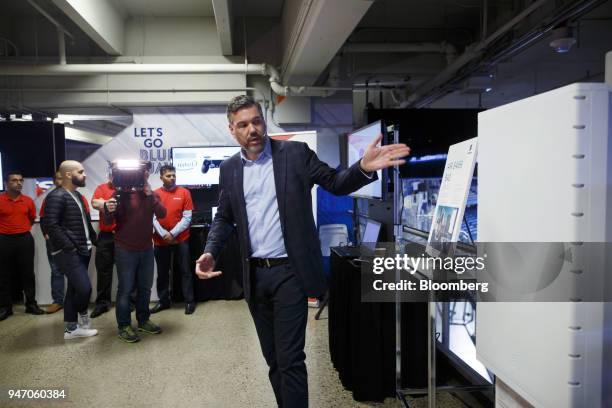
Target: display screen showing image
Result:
[358, 142]
[443, 228]
[199, 166]
[420, 199]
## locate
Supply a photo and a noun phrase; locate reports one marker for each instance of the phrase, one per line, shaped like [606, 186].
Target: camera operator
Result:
[133, 211]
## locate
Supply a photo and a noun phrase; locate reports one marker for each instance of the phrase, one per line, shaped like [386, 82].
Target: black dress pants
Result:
[17, 250]
[105, 260]
[177, 255]
[280, 311]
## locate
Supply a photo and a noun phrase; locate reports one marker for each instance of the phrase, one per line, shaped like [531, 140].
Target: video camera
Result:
[129, 175]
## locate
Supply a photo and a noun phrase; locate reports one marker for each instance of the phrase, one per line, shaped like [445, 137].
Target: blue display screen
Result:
[420, 199]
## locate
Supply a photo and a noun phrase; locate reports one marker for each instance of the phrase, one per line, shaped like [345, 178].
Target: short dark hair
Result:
[241, 102]
[10, 173]
[165, 168]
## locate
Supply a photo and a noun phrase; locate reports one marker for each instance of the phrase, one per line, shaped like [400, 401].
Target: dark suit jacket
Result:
[296, 170]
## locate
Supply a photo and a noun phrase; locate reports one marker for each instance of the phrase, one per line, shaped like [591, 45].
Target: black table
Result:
[362, 336]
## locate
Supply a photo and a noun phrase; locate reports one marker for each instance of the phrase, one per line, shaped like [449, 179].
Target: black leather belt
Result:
[268, 262]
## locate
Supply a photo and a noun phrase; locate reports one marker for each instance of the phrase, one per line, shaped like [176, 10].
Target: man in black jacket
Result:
[266, 191]
[71, 236]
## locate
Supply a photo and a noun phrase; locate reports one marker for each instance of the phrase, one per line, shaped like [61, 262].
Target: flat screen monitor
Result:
[199, 166]
[357, 143]
[34, 148]
[371, 231]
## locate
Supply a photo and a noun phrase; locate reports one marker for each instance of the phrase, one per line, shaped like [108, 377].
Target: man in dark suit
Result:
[266, 191]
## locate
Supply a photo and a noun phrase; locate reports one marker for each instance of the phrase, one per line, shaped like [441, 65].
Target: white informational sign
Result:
[452, 197]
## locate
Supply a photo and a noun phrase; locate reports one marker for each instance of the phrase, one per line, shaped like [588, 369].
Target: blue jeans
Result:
[74, 266]
[134, 269]
[57, 280]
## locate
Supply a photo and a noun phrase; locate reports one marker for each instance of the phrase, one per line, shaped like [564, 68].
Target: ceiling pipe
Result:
[471, 53]
[571, 12]
[21, 91]
[51, 19]
[608, 74]
[378, 85]
[428, 47]
[528, 39]
[6, 46]
[280, 89]
[109, 69]
[61, 40]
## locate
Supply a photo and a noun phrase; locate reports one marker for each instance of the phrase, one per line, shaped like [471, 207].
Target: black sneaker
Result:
[149, 327]
[127, 334]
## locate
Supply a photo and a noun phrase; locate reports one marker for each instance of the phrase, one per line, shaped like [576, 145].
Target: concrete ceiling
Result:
[259, 8]
[197, 8]
[21, 8]
[301, 37]
[165, 8]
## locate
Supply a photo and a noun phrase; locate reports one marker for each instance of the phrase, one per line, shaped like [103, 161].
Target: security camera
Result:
[562, 39]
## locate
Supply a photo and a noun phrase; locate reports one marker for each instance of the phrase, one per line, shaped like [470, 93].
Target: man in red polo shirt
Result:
[105, 249]
[172, 237]
[17, 214]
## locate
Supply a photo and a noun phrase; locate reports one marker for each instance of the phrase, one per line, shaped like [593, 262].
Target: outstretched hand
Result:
[204, 267]
[380, 157]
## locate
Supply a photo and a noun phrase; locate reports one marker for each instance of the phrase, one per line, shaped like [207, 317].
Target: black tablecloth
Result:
[362, 337]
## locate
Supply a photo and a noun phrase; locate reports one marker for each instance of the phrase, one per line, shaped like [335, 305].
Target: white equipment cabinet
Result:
[545, 174]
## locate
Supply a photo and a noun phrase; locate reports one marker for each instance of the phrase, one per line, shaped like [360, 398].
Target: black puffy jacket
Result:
[63, 222]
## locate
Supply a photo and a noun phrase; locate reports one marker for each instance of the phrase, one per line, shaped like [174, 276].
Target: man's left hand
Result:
[380, 157]
[168, 238]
